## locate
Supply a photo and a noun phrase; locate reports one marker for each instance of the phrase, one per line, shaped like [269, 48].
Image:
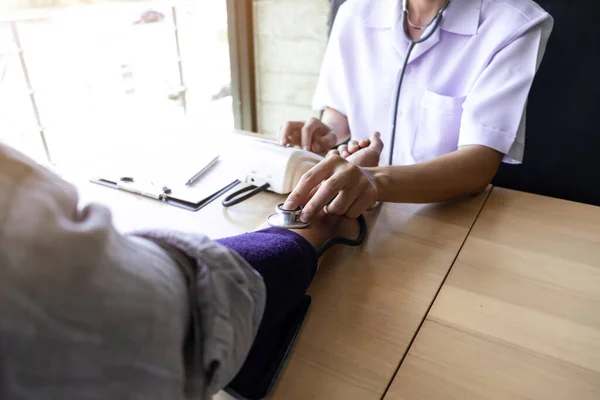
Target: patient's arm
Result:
[287, 259]
[149, 292]
[323, 227]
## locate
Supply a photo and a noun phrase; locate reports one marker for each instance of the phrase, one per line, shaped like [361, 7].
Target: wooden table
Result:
[519, 316]
[369, 302]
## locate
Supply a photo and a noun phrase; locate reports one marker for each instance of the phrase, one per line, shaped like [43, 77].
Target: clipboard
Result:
[164, 194]
[153, 181]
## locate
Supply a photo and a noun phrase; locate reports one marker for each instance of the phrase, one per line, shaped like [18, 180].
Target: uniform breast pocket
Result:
[437, 126]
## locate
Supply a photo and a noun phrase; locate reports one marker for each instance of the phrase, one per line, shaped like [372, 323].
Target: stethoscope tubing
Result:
[412, 43]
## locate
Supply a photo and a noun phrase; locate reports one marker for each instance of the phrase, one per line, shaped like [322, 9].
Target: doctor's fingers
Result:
[312, 192]
[344, 200]
[338, 193]
[346, 181]
[290, 133]
[316, 136]
[308, 130]
[311, 179]
[362, 203]
[326, 141]
[364, 143]
[357, 197]
[343, 150]
[353, 146]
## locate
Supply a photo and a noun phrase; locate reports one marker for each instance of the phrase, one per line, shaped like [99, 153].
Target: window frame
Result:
[241, 54]
[242, 64]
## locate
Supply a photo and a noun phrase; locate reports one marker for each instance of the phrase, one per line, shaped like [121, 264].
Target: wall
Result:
[290, 40]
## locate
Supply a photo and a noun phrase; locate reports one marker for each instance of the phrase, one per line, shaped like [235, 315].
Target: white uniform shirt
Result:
[466, 85]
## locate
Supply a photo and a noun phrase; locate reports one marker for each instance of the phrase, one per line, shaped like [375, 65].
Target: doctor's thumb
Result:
[376, 142]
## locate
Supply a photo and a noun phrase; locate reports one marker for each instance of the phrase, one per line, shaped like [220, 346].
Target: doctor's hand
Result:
[345, 181]
[313, 136]
[353, 147]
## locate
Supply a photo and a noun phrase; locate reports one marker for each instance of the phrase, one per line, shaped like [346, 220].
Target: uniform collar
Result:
[462, 16]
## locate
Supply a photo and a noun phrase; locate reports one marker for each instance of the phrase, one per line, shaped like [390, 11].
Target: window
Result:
[82, 84]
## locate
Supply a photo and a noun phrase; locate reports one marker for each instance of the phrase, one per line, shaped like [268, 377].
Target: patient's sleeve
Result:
[88, 313]
[227, 300]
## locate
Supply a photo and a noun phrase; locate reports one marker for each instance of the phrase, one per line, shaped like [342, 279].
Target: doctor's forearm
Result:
[464, 172]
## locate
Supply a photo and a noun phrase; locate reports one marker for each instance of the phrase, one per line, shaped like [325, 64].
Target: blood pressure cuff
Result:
[288, 264]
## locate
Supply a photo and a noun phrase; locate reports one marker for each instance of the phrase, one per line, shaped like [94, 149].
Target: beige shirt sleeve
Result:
[88, 313]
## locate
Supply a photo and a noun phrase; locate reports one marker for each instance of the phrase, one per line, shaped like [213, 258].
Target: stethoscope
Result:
[290, 219]
[434, 24]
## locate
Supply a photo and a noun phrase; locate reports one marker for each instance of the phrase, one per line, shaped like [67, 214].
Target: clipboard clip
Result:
[129, 184]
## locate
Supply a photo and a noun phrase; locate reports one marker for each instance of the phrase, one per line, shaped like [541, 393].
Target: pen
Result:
[201, 172]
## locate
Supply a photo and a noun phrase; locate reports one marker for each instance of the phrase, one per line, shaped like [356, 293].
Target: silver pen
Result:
[201, 172]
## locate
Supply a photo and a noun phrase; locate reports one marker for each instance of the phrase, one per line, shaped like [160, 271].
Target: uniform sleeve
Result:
[331, 90]
[495, 109]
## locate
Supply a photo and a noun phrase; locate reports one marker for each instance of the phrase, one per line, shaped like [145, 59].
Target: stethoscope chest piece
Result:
[289, 219]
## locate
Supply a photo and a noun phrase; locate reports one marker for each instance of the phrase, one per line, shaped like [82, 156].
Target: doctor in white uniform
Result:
[461, 110]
